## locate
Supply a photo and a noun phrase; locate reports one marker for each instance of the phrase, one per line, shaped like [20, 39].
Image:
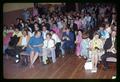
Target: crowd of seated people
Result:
[60, 33]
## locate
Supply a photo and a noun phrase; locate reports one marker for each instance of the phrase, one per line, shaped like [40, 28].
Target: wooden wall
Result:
[13, 10]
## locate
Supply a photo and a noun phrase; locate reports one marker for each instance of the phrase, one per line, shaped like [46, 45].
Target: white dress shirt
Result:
[56, 38]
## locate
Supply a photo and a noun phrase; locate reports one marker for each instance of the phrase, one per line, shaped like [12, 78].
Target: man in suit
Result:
[68, 40]
[110, 49]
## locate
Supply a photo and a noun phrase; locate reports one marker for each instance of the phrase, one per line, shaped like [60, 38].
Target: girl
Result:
[78, 43]
[85, 46]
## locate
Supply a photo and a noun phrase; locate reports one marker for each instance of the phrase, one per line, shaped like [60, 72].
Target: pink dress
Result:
[7, 38]
[78, 45]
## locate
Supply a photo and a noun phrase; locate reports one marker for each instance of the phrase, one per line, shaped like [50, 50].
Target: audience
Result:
[68, 30]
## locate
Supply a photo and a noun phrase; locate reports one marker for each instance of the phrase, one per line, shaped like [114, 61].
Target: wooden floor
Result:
[69, 67]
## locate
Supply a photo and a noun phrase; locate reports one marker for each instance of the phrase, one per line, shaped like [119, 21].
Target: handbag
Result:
[88, 65]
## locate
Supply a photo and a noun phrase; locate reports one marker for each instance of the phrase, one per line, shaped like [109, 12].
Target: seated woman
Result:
[95, 47]
[85, 46]
[29, 32]
[68, 40]
[34, 47]
[35, 28]
[48, 49]
[23, 41]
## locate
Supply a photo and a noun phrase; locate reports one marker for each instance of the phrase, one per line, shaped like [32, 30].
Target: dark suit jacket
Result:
[108, 44]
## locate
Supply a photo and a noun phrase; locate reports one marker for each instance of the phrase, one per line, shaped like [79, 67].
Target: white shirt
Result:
[48, 44]
[24, 41]
[56, 38]
[113, 39]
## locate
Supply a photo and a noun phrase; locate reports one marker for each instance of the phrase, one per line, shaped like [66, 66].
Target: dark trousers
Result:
[58, 50]
[105, 56]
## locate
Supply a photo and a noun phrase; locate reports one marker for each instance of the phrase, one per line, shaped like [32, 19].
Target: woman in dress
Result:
[34, 47]
[95, 47]
[85, 46]
[78, 43]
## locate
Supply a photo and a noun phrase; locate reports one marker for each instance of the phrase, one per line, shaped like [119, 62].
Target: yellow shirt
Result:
[96, 43]
[18, 34]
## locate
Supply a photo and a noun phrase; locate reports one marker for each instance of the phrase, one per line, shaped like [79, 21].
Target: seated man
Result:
[110, 49]
[48, 49]
[68, 40]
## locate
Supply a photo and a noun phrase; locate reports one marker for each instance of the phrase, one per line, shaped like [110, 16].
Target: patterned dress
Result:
[85, 46]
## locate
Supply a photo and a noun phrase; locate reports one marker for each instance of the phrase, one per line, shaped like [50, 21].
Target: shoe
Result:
[84, 57]
[88, 60]
[16, 61]
[31, 66]
[48, 61]
[17, 56]
[94, 70]
[113, 77]
[44, 62]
